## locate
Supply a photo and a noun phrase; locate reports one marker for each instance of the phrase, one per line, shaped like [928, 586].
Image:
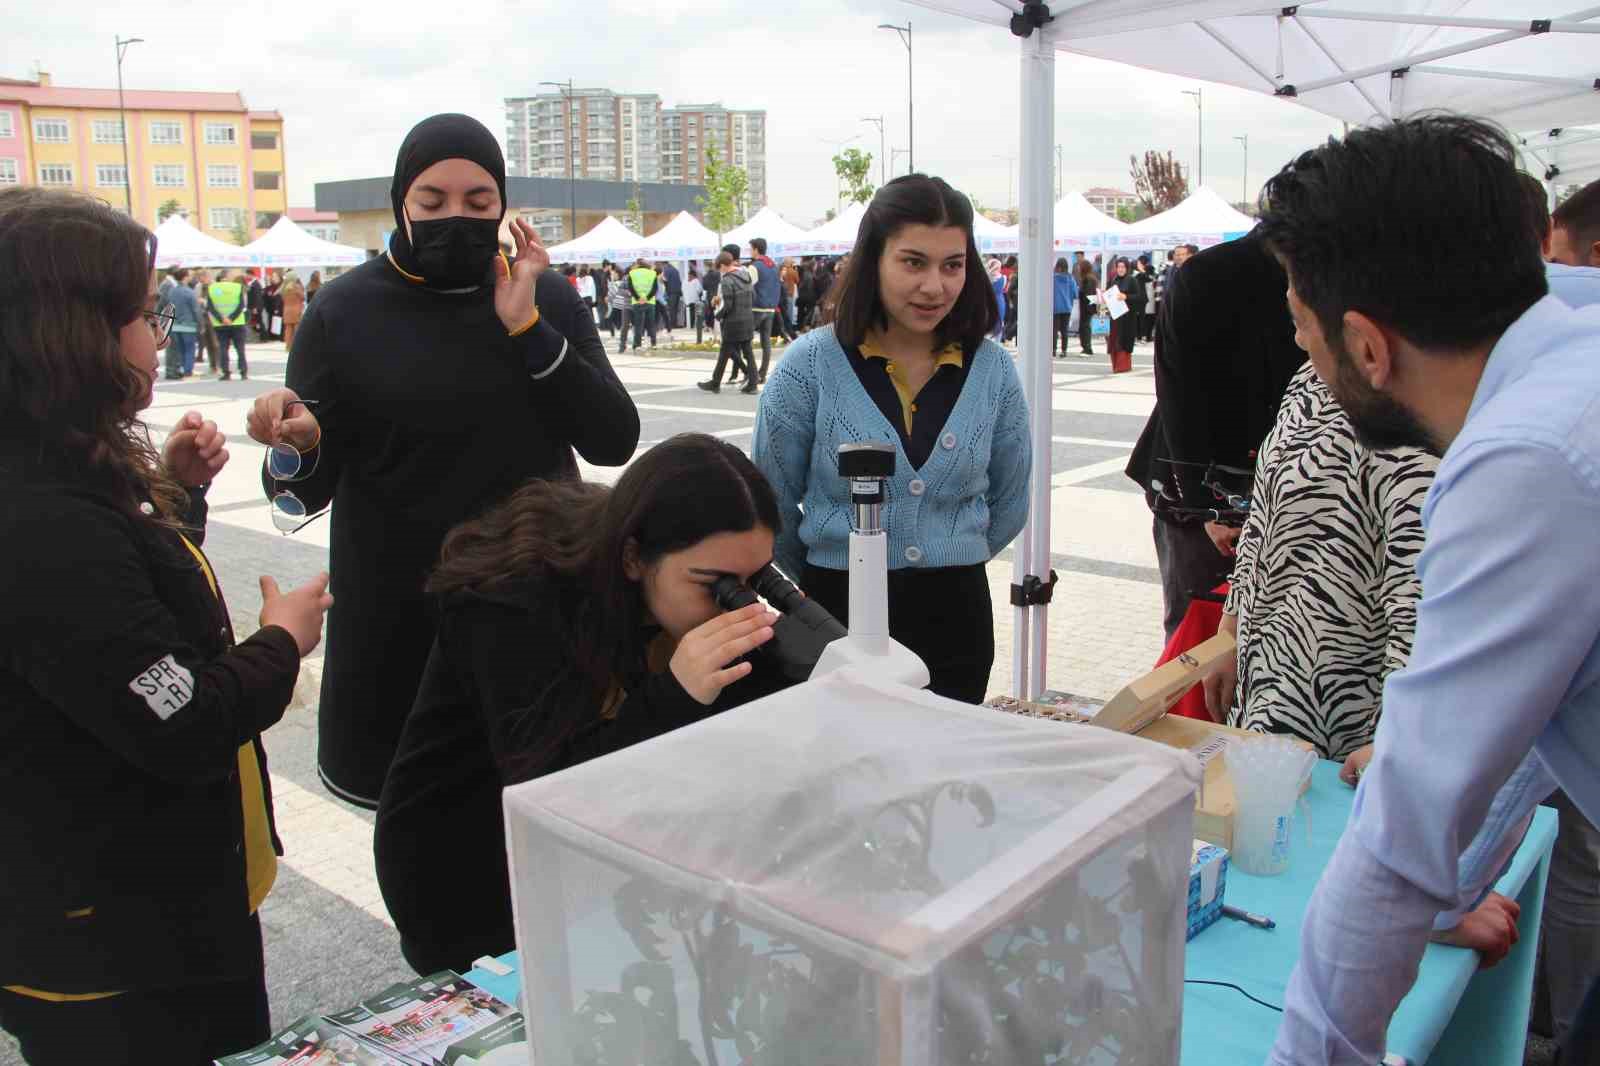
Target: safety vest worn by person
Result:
[227, 302]
[643, 282]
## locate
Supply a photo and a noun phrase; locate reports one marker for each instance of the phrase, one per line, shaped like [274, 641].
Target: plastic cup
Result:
[1267, 774]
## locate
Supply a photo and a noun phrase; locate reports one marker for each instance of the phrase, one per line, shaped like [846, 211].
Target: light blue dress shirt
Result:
[1576, 286]
[1501, 698]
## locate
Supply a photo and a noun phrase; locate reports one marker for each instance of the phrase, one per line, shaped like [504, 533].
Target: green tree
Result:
[167, 210]
[635, 215]
[854, 167]
[726, 186]
[240, 235]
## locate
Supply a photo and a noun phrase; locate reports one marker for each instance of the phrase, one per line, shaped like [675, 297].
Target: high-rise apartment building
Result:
[630, 137]
[608, 136]
[222, 163]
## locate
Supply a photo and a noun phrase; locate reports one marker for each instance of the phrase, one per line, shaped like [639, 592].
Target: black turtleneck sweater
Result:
[430, 414]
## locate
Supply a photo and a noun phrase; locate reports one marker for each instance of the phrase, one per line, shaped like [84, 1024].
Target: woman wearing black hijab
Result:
[424, 386]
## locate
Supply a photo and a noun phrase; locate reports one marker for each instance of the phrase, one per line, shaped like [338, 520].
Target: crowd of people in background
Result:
[211, 310]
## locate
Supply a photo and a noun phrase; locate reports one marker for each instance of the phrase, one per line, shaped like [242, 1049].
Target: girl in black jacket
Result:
[575, 620]
[135, 805]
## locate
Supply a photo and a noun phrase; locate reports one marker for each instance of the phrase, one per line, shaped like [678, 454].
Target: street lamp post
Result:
[1058, 173]
[882, 162]
[123, 44]
[1244, 180]
[904, 33]
[1200, 136]
[572, 168]
[1011, 180]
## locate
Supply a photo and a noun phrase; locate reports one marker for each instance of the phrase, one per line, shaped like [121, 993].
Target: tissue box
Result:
[1208, 878]
[851, 871]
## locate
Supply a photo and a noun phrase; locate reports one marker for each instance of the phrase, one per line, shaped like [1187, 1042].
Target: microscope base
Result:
[881, 657]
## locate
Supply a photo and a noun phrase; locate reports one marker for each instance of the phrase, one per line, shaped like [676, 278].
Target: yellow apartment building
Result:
[222, 163]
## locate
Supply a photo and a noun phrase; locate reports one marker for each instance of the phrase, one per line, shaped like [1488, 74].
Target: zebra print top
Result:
[1325, 585]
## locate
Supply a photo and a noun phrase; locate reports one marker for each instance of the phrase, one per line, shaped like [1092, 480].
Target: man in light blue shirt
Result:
[1384, 236]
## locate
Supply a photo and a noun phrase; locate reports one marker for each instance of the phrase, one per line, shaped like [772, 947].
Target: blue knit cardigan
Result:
[966, 503]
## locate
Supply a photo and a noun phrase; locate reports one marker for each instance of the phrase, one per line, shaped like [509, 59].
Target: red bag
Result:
[1121, 362]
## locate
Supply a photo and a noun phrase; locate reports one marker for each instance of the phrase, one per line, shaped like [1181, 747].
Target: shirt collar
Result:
[950, 355]
[1517, 347]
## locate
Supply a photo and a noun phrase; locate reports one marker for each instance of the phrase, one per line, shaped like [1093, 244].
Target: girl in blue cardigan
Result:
[904, 360]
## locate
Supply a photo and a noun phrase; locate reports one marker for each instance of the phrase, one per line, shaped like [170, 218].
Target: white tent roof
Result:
[1564, 156]
[1352, 59]
[1082, 227]
[992, 236]
[178, 244]
[778, 232]
[682, 238]
[834, 237]
[1203, 219]
[609, 240]
[287, 245]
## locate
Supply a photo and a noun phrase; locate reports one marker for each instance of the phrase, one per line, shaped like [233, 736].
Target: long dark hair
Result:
[855, 306]
[73, 273]
[685, 489]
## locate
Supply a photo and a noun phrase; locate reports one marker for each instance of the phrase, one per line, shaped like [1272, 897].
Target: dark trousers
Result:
[642, 317]
[698, 323]
[1085, 327]
[1189, 563]
[1569, 935]
[185, 1026]
[732, 349]
[803, 315]
[1062, 331]
[674, 301]
[944, 615]
[231, 335]
[764, 323]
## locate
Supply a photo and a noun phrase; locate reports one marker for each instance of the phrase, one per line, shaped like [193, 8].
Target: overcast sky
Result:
[351, 78]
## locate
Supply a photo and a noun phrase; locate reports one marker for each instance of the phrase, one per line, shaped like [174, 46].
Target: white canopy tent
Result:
[1079, 226]
[1498, 58]
[287, 245]
[834, 237]
[1203, 219]
[991, 236]
[179, 244]
[779, 233]
[609, 240]
[682, 239]
[1564, 155]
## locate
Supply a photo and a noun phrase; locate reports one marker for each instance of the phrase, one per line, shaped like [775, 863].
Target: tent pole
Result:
[1036, 265]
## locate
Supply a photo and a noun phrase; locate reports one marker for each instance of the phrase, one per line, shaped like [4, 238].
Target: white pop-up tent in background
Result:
[780, 234]
[287, 245]
[1203, 219]
[178, 244]
[834, 237]
[1501, 59]
[608, 240]
[682, 239]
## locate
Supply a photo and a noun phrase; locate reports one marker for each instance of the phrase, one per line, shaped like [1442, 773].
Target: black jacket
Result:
[737, 314]
[500, 703]
[1225, 352]
[430, 414]
[123, 705]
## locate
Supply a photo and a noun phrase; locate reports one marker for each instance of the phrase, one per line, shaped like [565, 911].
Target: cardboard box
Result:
[1208, 881]
[1140, 708]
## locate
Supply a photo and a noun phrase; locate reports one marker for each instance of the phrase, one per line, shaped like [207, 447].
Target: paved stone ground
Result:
[328, 938]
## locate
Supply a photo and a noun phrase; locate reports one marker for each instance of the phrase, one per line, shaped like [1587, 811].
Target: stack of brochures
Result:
[439, 1020]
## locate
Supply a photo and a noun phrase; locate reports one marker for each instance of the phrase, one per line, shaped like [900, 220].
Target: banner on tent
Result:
[1146, 241]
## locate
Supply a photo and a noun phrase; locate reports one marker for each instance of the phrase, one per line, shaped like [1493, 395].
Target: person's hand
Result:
[1219, 686]
[513, 290]
[1355, 765]
[1226, 538]
[299, 610]
[268, 425]
[1490, 929]
[701, 662]
[194, 452]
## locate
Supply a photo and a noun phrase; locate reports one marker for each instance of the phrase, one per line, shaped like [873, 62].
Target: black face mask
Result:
[455, 253]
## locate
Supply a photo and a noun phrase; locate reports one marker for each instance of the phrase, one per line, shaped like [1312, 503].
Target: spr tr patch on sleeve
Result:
[166, 687]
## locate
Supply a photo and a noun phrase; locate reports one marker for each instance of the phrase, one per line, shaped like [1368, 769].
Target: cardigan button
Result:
[917, 487]
[948, 441]
[913, 554]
